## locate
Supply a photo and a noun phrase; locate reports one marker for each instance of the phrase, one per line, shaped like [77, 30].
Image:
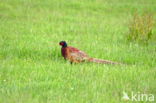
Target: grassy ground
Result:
[33, 71]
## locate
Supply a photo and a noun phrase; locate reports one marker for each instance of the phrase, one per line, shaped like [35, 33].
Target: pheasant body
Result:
[75, 55]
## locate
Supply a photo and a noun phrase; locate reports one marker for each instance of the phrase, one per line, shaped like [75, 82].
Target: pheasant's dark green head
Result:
[63, 43]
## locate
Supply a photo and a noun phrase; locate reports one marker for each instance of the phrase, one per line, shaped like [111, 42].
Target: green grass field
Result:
[32, 69]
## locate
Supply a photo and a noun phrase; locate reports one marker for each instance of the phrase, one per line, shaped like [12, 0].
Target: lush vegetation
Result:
[32, 69]
[141, 28]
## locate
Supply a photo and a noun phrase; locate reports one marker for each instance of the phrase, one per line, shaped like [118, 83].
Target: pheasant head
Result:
[63, 43]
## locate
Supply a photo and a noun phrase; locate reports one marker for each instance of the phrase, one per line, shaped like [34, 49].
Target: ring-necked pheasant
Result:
[75, 55]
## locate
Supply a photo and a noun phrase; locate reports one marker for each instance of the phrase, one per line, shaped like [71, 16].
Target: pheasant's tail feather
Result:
[102, 61]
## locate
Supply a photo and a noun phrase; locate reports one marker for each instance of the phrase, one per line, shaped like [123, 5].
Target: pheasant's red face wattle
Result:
[61, 44]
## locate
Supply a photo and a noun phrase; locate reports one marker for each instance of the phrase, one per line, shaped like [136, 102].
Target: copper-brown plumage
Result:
[75, 55]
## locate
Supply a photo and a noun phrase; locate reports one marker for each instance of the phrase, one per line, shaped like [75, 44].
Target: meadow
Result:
[32, 69]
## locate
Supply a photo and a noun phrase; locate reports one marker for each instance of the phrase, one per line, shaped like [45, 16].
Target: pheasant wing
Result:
[77, 55]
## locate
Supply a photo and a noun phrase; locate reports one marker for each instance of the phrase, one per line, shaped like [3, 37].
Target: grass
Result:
[33, 71]
[140, 28]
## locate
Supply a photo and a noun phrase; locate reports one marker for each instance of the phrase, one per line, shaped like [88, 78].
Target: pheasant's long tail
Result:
[102, 61]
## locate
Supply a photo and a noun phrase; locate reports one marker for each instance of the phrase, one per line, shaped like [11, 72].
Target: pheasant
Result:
[75, 55]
